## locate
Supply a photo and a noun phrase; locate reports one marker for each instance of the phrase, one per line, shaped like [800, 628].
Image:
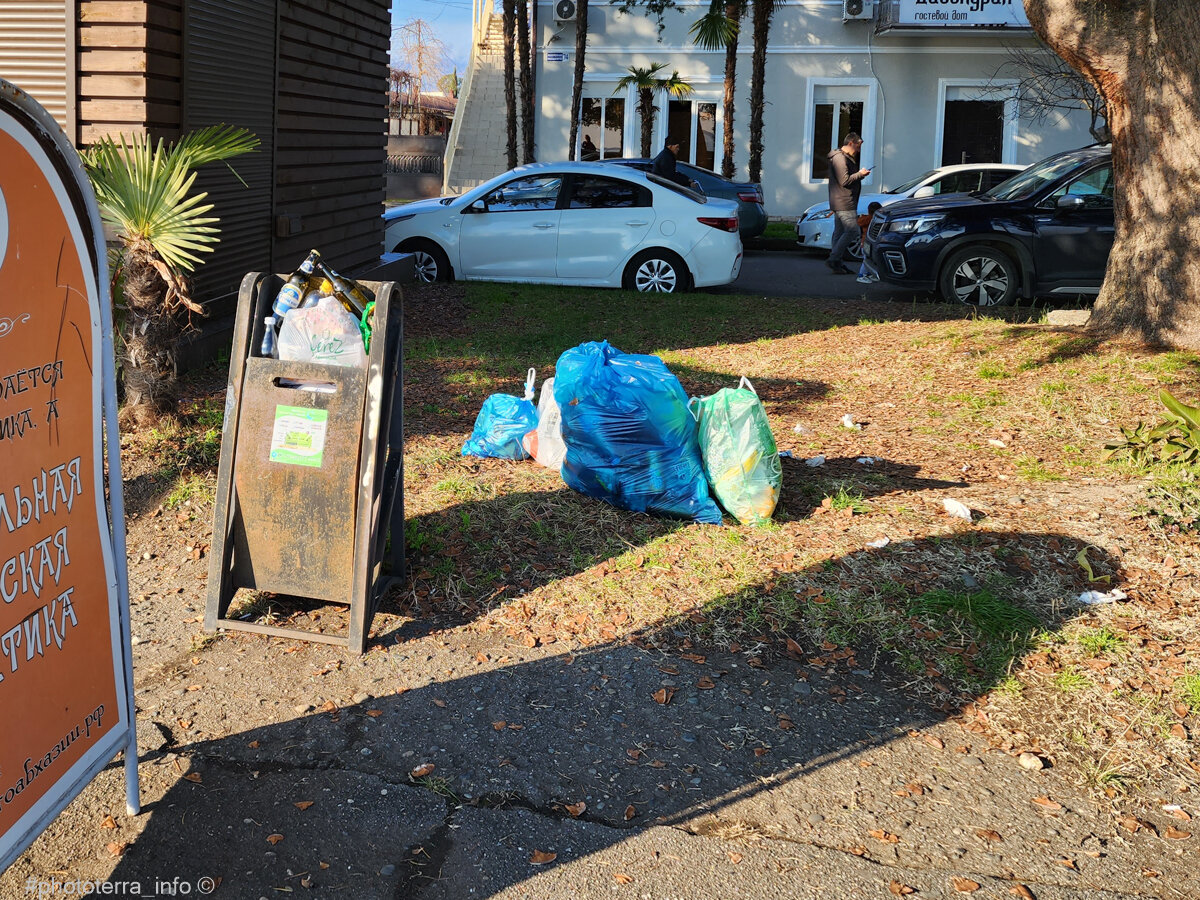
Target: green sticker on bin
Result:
[298, 438]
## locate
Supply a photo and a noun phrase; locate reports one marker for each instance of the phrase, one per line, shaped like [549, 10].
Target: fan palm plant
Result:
[646, 82]
[144, 191]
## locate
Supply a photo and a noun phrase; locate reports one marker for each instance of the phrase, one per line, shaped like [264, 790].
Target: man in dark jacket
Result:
[663, 165]
[845, 184]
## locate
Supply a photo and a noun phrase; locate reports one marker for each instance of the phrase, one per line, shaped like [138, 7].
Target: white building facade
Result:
[920, 80]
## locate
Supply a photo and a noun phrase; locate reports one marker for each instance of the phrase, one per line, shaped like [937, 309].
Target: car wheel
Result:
[431, 261]
[979, 276]
[657, 272]
[854, 251]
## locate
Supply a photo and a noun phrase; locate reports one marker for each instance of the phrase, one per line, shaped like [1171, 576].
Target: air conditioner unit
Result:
[565, 10]
[856, 10]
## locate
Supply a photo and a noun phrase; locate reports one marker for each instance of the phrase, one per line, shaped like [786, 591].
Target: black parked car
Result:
[752, 217]
[1047, 230]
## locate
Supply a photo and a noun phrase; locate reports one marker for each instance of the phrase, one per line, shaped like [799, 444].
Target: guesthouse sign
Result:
[65, 674]
[962, 13]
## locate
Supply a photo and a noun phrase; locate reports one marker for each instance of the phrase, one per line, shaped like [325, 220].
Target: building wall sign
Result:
[962, 13]
[65, 677]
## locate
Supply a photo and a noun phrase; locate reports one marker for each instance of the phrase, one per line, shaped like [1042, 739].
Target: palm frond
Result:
[714, 31]
[143, 189]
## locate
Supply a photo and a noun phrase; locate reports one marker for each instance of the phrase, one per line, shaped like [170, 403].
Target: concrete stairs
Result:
[478, 138]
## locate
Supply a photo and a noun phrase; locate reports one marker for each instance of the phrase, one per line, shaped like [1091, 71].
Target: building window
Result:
[602, 128]
[976, 123]
[835, 109]
[694, 124]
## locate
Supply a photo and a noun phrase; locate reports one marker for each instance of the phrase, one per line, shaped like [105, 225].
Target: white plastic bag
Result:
[325, 333]
[546, 445]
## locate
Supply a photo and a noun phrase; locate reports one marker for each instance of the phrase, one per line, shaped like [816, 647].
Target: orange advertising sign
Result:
[64, 673]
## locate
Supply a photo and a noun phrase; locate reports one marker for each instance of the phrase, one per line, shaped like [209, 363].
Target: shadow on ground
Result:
[450, 788]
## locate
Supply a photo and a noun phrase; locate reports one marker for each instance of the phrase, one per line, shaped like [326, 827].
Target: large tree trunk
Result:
[526, 81]
[150, 334]
[510, 81]
[727, 166]
[1143, 58]
[581, 12]
[763, 11]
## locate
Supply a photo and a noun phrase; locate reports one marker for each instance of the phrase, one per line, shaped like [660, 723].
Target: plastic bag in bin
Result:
[502, 424]
[326, 333]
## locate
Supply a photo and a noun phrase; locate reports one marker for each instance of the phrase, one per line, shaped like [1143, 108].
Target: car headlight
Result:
[915, 224]
[819, 214]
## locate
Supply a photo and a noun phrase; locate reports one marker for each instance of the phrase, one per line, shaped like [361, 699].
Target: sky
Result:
[451, 23]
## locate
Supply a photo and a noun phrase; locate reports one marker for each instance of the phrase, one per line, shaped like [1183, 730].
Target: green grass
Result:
[1068, 681]
[1188, 689]
[851, 500]
[1098, 641]
[991, 616]
[190, 488]
[992, 370]
[1032, 469]
[777, 231]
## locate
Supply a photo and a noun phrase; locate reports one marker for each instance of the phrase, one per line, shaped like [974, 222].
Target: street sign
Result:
[65, 672]
[556, 56]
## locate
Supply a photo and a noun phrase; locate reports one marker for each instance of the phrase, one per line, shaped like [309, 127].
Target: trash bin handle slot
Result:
[291, 384]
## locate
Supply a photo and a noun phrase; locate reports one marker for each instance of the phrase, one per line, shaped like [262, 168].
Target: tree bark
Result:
[523, 52]
[1143, 58]
[646, 111]
[149, 338]
[763, 11]
[727, 166]
[577, 85]
[510, 88]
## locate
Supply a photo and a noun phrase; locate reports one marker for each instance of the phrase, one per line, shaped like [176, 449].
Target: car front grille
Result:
[874, 227]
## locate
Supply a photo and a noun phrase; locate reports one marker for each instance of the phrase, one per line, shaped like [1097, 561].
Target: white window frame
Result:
[868, 126]
[585, 94]
[698, 96]
[1012, 110]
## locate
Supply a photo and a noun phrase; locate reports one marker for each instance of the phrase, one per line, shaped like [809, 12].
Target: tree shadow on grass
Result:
[444, 788]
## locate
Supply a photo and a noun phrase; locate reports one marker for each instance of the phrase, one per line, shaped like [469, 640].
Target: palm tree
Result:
[645, 80]
[721, 28]
[143, 191]
[763, 11]
[581, 13]
[509, 18]
[526, 57]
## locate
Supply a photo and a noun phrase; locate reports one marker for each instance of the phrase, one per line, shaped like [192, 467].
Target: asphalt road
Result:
[775, 273]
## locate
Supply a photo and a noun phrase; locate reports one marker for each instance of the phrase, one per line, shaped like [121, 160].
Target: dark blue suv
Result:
[1047, 230]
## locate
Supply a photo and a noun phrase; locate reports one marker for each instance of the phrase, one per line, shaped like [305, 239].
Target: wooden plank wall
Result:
[129, 68]
[330, 147]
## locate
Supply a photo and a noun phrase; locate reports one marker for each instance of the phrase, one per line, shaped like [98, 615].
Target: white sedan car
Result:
[815, 227]
[577, 223]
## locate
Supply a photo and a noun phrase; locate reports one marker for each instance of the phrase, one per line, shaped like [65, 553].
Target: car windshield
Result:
[1025, 184]
[909, 185]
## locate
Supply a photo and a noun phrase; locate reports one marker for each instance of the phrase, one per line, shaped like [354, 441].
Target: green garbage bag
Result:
[741, 460]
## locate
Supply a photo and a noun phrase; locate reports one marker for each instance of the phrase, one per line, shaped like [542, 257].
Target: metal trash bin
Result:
[312, 524]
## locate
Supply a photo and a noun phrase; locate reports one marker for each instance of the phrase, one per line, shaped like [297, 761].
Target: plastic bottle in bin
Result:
[268, 341]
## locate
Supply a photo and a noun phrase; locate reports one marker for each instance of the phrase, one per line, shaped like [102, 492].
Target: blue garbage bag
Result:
[502, 422]
[630, 438]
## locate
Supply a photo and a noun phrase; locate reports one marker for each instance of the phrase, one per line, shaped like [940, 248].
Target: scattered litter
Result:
[785, 454]
[1031, 762]
[848, 422]
[879, 544]
[996, 443]
[956, 509]
[1097, 598]
[814, 461]
[801, 428]
[867, 460]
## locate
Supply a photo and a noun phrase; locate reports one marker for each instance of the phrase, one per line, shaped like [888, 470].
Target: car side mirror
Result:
[1069, 203]
[477, 207]
[924, 193]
